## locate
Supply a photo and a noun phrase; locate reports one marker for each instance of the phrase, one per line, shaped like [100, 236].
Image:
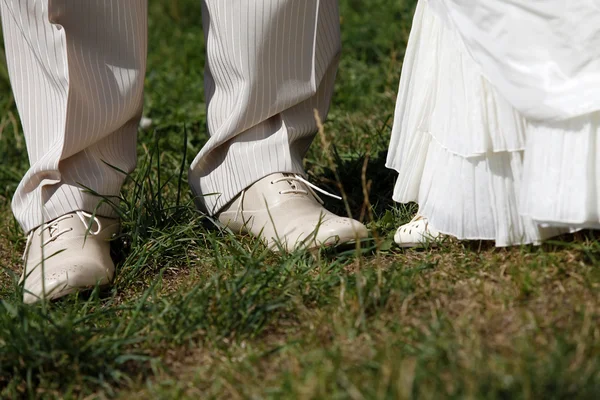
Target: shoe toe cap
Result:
[62, 279]
[341, 230]
[329, 232]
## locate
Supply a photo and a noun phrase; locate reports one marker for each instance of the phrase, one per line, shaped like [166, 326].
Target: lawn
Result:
[195, 312]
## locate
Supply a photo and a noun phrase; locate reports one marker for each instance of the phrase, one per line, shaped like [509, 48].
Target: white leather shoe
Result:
[283, 210]
[67, 254]
[417, 233]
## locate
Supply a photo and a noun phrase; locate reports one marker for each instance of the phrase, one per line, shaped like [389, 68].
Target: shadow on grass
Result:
[354, 173]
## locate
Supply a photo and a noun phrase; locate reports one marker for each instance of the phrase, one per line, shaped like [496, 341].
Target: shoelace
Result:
[53, 226]
[311, 187]
[293, 190]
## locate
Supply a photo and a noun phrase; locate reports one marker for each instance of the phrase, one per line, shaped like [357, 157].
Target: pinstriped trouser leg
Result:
[270, 63]
[77, 71]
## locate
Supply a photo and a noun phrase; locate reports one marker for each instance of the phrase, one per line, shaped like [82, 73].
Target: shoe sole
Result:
[65, 291]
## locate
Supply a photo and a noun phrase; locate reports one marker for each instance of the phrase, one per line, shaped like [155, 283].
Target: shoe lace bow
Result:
[294, 189]
[54, 232]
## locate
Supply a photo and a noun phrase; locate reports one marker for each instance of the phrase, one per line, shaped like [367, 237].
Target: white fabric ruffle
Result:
[543, 56]
[476, 167]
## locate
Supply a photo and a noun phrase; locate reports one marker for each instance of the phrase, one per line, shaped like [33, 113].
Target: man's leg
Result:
[77, 71]
[270, 64]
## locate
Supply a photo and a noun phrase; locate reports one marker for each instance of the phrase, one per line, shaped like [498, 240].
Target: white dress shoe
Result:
[67, 254]
[285, 212]
[417, 233]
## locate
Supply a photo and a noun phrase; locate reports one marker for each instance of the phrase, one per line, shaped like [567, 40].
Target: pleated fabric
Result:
[561, 177]
[77, 71]
[477, 168]
[543, 56]
[270, 64]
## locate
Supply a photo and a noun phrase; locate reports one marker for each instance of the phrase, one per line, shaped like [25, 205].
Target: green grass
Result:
[197, 313]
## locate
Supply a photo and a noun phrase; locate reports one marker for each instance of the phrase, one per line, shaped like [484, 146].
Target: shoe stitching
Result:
[310, 186]
[53, 226]
[292, 179]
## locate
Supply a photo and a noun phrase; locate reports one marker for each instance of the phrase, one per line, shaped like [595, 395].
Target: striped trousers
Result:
[77, 71]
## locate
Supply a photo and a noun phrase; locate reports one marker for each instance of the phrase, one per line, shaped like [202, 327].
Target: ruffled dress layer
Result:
[475, 164]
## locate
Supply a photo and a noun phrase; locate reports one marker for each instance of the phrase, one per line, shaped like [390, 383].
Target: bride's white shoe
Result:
[417, 233]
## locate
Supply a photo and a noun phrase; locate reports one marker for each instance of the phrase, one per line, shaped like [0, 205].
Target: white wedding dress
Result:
[497, 125]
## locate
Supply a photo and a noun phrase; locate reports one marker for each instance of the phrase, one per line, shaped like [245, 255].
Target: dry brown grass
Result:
[483, 308]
